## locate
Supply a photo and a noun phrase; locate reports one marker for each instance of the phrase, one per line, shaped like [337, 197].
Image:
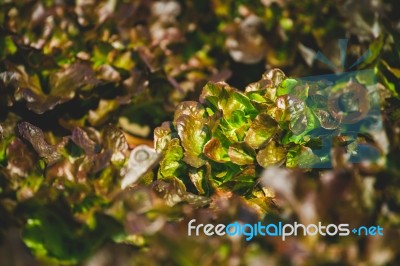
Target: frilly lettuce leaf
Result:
[172, 163]
[241, 153]
[194, 135]
[272, 154]
[261, 130]
[215, 151]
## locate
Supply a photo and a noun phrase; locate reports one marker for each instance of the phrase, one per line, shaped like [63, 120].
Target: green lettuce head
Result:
[226, 139]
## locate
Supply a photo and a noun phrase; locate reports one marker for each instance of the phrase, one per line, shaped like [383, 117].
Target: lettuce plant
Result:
[227, 138]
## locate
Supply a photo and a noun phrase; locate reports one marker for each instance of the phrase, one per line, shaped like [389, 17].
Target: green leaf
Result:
[215, 151]
[238, 119]
[231, 101]
[211, 89]
[272, 154]
[210, 94]
[286, 87]
[172, 162]
[235, 127]
[262, 91]
[241, 153]
[256, 97]
[261, 130]
[194, 134]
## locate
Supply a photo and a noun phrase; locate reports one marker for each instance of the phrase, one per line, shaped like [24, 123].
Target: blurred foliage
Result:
[83, 82]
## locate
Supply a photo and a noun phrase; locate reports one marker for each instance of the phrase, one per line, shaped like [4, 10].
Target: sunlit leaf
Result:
[214, 150]
[194, 135]
[241, 154]
[272, 154]
[172, 163]
[261, 130]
